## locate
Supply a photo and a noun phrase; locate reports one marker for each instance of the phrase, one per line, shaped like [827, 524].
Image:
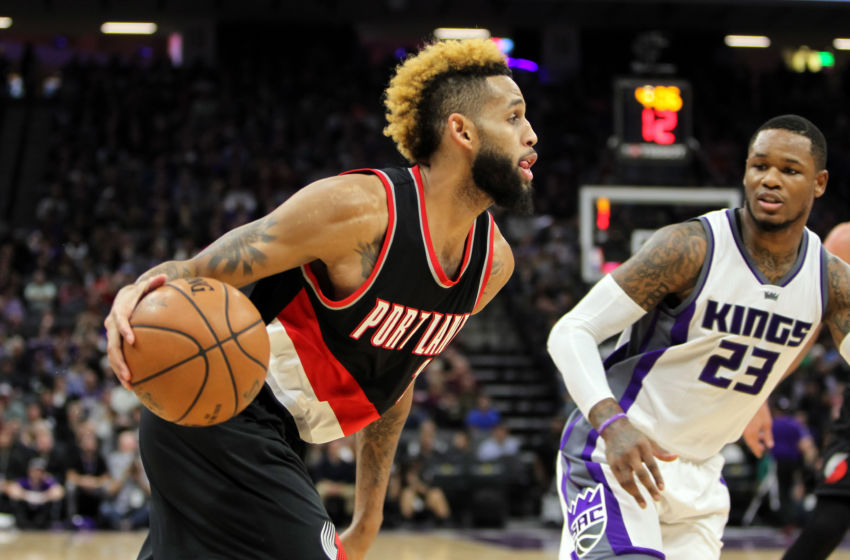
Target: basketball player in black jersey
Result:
[362, 279]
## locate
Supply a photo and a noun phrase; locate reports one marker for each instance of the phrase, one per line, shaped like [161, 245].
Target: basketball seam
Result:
[201, 352]
[223, 353]
[215, 336]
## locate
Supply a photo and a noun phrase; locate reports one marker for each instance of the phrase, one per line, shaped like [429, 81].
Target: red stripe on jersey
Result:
[330, 380]
[489, 265]
[429, 246]
[311, 276]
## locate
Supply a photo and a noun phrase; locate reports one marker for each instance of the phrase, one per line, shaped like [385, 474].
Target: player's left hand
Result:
[758, 435]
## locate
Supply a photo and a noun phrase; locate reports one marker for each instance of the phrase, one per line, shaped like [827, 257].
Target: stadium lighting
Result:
[128, 28]
[461, 33]
[842, 44]
[5, 22]
[750, 41]
[522, 64]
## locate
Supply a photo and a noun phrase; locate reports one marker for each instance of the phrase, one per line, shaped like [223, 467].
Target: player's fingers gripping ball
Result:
[200, 354]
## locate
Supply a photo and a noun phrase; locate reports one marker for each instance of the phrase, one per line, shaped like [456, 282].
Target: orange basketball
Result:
[200, 354]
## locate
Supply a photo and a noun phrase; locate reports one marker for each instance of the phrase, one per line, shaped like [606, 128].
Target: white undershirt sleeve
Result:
[574, 340]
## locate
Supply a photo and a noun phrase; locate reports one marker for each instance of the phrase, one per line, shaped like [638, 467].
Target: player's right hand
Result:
[117, 324]
[758, 435]
[630, 453]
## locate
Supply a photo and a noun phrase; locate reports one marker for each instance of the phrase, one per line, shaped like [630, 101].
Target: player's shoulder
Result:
[342, 198]
[673, 240]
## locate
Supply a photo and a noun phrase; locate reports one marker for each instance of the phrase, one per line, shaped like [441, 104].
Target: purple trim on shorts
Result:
[723, 482]
[618, 536]
[616, 532]
[564, 439]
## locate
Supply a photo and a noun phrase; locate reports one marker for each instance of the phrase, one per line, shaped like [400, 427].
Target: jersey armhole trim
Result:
[488, 266]
[310, 276]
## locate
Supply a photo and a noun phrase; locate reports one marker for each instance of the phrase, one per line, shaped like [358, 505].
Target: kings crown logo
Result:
[771, 295]
[587, 519]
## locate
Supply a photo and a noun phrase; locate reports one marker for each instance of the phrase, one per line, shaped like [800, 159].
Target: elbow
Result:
[561, 332]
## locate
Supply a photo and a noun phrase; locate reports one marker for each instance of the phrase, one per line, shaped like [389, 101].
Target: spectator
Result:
[36, 498]
[484, 417]
[499, 445]
[87, 481]
[40, 292]
[127, 502]
[794, 451]
[419, 499]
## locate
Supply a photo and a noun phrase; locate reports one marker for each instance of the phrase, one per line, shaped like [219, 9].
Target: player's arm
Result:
[376, 447]
[668, 264]
[327, 220]
[500, 270]
[837, 317]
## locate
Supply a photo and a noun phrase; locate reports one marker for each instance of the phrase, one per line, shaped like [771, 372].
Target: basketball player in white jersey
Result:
[712, 312]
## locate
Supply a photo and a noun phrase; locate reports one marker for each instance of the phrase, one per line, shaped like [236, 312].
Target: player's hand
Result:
[117, 324]
[758, 435]
[632, 454]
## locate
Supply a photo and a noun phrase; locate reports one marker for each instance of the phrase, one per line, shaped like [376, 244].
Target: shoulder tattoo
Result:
[668, 263]
[369, 253]
[838, 312]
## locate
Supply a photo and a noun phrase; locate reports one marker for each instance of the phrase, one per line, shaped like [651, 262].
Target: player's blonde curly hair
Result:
[443, 78]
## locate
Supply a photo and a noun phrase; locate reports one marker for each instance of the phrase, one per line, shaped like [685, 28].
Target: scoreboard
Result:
[652, 120]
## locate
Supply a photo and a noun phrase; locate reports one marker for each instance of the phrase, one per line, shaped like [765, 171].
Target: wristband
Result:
[610, 421]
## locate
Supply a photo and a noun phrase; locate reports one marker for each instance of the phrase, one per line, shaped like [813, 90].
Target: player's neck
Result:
[774, 251]
[449, 215]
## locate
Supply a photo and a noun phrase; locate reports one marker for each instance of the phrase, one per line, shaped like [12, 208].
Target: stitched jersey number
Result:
[733, 362]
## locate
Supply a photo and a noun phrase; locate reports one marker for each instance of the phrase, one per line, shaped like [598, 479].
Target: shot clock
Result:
[652, 119]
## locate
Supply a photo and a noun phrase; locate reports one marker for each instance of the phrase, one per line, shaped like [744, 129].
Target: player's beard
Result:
[499, 177]
[770, 227]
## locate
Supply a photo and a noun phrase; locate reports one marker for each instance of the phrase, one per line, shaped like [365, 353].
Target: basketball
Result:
[200, 354]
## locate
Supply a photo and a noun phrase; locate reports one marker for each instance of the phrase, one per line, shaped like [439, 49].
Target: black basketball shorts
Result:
[238, 489]
[835, 478]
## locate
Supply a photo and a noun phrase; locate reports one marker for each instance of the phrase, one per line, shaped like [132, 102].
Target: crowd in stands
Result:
[148, 162]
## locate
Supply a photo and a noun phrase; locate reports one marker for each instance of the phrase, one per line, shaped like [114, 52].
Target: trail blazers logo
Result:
[331, 543]
[835, 468]
[587, 519]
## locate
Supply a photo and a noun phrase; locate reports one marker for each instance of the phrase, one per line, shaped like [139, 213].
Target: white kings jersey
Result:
[692, 377]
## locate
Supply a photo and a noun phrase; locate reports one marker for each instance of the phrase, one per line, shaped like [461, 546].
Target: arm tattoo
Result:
[838, 313]
[376, 448]
[669, 263]
[238, 247]
[171, 269]
[369, 254]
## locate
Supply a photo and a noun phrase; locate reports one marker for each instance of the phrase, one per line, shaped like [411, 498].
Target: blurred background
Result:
[125, 145]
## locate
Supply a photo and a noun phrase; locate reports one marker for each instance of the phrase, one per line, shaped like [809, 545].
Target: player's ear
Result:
[821, 179]
[462, 131]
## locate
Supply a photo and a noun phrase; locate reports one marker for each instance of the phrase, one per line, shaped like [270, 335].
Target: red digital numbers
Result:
[660, 116]
[659, 126]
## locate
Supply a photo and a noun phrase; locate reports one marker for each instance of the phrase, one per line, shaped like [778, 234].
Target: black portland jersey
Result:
[337, 365]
